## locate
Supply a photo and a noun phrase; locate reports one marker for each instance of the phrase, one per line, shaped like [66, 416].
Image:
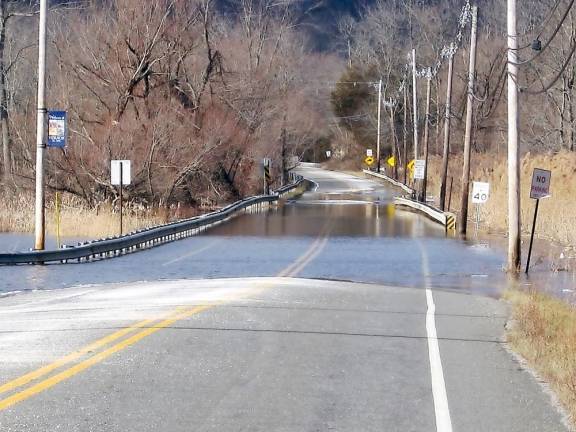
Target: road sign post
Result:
[419, 168]
[419, 174]
[540, 189]
[120, 171]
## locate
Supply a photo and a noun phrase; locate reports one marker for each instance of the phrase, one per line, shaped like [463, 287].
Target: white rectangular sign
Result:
[540, 183]
[328, 153]
[480, 192]
[369, 153]
[115, 172]
[419, 169]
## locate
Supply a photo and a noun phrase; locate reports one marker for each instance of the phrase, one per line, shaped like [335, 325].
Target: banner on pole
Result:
[56, 129]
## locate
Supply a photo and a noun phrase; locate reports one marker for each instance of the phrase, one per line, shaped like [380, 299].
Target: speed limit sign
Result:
[480, 192]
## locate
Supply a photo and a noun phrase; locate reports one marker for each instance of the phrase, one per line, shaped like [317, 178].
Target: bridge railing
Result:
[145, 238]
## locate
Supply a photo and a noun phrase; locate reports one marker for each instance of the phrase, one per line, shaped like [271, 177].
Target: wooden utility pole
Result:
[379, 124]
[41, 129]
[426, 135]
[447, 121]
[395, 151]
[468, 133]
[438, 122]
[415, 104]
[514, 221]
[405, 138]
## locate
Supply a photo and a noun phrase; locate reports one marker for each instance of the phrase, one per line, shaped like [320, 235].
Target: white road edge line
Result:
[441, 408]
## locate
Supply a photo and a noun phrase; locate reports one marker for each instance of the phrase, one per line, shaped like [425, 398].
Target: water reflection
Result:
[346, 219]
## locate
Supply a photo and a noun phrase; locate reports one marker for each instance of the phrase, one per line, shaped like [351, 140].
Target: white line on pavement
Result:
[441, 408]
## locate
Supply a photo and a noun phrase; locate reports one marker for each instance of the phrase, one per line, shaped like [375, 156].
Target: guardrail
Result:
[146, 238]
[391, 181]
[446, 219]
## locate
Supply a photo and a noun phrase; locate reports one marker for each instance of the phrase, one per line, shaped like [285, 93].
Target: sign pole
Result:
[532, 236]
[540, 188]
[477, 219]
[121, 181]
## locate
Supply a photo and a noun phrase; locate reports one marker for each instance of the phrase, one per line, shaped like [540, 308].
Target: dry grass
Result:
[17, 215]
[557, 215]
[80, 222]
[544, 333]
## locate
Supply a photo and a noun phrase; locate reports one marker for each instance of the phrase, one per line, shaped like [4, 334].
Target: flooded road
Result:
[334, 311]
[367, 240]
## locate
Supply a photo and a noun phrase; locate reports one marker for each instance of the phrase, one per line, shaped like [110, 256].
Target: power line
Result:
[547, 87]
[543, 27]
[552, 37]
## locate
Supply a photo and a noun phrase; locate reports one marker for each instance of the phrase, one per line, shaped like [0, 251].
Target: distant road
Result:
[334, 312]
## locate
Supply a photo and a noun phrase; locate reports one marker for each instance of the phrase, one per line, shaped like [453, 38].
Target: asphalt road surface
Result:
[334, 312]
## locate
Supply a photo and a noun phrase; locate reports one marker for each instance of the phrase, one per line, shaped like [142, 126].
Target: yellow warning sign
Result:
[369, 160]
[391, 161]
[411, 165]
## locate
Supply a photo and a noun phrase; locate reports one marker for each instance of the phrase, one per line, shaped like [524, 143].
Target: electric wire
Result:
[557, 77]
[550, 40]
[543, 27]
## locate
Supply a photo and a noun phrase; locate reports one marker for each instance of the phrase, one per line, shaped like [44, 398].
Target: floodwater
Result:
[22, 242]
[366, 240]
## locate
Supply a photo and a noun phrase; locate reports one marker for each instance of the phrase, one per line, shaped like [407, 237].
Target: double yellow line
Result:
[300, 264]
[149, 328]
[135, 333]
